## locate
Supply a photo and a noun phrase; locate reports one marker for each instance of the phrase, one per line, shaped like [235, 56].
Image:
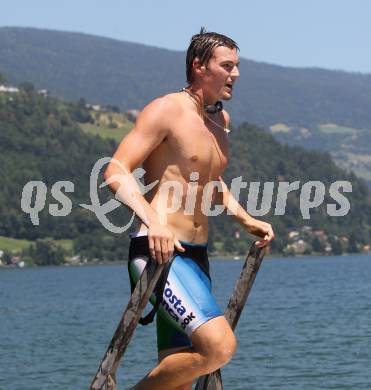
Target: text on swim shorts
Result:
[177, 310]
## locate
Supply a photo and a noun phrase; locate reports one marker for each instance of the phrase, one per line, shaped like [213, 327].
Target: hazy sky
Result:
[334, 34]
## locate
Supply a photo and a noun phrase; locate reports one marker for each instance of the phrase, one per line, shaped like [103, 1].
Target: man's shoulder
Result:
[159, 115]
[169, 104]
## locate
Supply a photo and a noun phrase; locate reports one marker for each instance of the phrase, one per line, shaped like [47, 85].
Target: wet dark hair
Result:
[202, 46]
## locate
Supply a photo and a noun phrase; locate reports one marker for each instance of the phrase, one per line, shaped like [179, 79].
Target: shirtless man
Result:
[181, 138]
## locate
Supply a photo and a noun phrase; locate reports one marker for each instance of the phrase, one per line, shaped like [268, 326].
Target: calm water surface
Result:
[307, 325]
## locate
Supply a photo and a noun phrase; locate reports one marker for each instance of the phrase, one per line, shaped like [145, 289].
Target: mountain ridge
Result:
[130, 74]
[180, 51]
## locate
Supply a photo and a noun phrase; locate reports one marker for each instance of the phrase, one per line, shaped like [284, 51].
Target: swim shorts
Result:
[187, 301]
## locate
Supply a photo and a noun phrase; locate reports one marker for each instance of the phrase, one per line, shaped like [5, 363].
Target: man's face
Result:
[221, 73]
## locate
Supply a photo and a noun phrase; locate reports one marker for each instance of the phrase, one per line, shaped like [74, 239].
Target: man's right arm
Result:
[151, 128]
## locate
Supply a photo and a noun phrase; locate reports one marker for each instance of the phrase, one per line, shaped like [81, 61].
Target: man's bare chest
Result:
[199, 146]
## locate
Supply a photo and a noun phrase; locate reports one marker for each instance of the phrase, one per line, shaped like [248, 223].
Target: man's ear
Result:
[198, 68]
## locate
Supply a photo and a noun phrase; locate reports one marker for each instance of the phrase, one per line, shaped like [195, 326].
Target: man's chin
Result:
[227, 96]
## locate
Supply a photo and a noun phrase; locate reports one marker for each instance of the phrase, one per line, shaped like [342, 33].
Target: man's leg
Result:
[213, 346]
[170, 351]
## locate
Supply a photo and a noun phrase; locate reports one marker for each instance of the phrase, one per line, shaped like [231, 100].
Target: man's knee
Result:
[217, 344]
[224, 351]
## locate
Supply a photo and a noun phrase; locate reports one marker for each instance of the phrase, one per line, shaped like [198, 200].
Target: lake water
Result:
[307, 325]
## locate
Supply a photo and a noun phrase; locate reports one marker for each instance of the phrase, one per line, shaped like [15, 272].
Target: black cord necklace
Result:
[208, 108]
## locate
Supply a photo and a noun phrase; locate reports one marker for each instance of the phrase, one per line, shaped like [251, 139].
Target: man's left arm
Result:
[252, 225]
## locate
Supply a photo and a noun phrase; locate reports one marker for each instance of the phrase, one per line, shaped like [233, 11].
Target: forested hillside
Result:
[259, 157]
[128, 75]
[74, 65]
[41, 139]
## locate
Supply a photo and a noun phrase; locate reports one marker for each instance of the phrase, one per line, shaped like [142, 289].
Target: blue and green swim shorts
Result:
[187, 301]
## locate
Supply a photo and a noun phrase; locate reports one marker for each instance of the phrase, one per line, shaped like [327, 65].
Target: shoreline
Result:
[211, 258]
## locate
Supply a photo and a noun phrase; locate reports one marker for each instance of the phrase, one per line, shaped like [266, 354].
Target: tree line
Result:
[40, 139]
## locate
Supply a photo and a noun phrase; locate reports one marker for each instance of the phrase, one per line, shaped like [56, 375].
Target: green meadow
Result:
[17, 245]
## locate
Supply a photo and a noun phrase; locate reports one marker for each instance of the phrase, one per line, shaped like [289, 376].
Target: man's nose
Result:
[235, 72]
